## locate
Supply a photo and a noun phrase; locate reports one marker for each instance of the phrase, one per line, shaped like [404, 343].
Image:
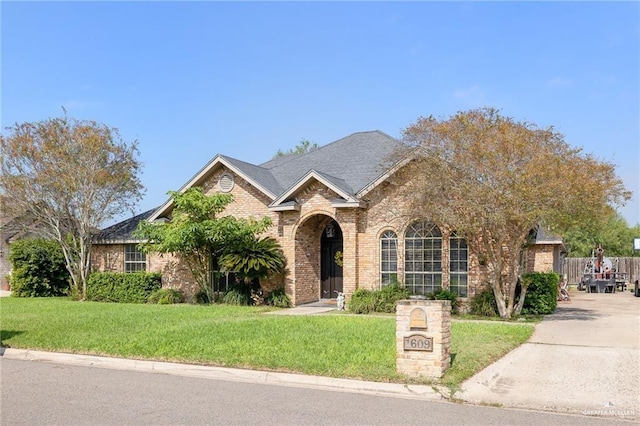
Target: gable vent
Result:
[226, 182]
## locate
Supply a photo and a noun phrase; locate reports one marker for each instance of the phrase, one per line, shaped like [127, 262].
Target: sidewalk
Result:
[583, 359]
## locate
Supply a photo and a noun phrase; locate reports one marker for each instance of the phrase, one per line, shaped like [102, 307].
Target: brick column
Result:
[348, 225]
[423, 337]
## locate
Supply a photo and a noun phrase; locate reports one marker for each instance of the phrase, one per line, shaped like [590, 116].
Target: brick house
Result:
[335, 199]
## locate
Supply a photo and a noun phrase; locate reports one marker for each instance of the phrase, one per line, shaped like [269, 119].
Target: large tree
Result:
[492, 180]
[199, 233]
[613, 234]
[70, 176]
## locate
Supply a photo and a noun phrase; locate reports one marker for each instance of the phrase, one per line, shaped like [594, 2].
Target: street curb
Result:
[399, 390]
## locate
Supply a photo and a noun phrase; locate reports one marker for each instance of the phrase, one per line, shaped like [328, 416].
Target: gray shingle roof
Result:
[357, 159]
[351, 163]
[122, 231]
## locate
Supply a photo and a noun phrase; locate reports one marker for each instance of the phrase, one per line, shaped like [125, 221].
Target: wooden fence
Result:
[573, 267]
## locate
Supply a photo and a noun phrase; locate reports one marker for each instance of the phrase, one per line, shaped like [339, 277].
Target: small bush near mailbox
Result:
[133, 287]
[542, 293]
[384, 300]
[444, 294]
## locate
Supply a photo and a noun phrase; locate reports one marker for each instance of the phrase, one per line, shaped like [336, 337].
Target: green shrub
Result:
[362, 301]
[444, 294]
[135, 287]
[278, 298]
[542, 293]
[38, 269]
[384, 300]
[484, 304]
[166, 296]
[388, 296]
[239, 295]
[202, 298]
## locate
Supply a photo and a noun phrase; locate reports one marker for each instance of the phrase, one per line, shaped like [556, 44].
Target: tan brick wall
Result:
[107, 258]
[540, 258]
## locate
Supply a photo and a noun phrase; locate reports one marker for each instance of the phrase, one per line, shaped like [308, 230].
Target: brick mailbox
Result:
[423, 337]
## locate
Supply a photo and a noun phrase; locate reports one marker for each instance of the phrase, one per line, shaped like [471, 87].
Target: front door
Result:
[330, 269]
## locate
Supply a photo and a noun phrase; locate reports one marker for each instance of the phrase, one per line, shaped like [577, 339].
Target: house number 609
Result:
[418, 342]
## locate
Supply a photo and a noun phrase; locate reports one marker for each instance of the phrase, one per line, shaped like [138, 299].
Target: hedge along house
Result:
[337, 201]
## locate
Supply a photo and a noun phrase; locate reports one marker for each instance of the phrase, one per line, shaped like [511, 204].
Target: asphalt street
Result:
[45, 393]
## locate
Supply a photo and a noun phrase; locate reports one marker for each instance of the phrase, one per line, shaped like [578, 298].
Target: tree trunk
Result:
[498, 293]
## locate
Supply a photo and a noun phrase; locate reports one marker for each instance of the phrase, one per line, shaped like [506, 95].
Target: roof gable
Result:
[338, 186]
[257, 176]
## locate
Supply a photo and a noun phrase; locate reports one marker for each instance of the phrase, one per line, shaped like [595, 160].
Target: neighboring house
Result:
[547, 252]
[337, 199]
[11, 230]
[8, 231]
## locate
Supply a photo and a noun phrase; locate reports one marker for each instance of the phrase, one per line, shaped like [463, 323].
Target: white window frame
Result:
[138, 263]
[458, 265]
[423, 258]
[388, 258]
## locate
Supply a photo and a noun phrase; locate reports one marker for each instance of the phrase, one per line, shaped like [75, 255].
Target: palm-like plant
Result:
[254, 258]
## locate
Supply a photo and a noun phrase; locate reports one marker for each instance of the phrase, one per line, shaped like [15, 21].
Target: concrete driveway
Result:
[584, 359]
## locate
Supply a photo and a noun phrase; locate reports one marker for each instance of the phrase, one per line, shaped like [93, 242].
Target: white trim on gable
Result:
[312, 175]
[343, 204]
[288, 206]
[199, 177]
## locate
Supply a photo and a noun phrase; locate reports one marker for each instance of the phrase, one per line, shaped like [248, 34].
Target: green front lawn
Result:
[349, 346]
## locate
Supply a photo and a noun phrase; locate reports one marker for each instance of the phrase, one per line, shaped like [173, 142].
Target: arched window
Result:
[388, 258]
[458, 265]
[423, 258]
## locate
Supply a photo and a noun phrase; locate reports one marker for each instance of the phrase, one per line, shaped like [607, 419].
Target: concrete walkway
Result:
[319, 307]
[583, 359]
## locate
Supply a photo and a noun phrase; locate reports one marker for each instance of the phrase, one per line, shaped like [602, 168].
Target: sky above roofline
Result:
[189, 80]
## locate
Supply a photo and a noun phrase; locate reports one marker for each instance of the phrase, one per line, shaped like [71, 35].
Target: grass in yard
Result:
[327, 345]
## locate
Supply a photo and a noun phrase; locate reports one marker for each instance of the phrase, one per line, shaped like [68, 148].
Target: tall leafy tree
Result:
[492, 179]
[612, 233]
[69, 176]
[198, 232]
[302, 147]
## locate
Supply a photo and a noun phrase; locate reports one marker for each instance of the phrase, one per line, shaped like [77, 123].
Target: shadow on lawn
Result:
[7, 334]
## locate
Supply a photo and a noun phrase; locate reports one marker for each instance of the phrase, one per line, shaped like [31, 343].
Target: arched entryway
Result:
[316, 275]
[331, 261]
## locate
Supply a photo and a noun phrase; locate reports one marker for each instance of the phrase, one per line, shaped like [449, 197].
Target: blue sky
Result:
[189, 80]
